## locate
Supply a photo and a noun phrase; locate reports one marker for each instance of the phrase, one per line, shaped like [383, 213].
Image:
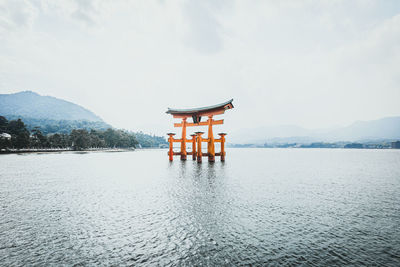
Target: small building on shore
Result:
[396, 145]
[5, 136]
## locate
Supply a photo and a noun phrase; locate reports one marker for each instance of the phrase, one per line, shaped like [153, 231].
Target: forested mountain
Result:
[56, 116]
[19, 137]
[147, 140]
[51, 114]
[29, 104]
[48, 126]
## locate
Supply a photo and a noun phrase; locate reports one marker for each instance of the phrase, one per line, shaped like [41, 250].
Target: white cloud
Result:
[312, 63]
[203, 30]
[16, 14]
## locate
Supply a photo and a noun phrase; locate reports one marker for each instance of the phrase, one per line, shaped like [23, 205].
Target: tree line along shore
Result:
[15, 135]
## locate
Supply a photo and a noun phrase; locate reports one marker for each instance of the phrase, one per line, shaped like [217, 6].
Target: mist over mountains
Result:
[363, 131]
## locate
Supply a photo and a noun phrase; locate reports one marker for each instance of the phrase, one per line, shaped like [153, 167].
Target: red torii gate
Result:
[197, 139]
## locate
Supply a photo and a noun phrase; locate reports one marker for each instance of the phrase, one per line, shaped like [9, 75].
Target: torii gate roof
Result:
[203, 111]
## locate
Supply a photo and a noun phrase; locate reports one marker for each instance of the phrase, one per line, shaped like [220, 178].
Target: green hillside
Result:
[49, 126]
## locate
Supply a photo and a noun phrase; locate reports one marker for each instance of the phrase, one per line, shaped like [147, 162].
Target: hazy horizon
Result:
[313, 64]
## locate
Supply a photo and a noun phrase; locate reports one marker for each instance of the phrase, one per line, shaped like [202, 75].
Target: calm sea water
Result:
[261, 207]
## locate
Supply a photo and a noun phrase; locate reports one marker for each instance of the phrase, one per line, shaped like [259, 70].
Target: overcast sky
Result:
[309, 63]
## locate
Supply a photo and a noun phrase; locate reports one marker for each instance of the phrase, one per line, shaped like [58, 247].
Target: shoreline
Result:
[45, 151]
[63, 150]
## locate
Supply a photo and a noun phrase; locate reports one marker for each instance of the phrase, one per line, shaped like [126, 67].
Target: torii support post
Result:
[222, 146]
[211, 146]
[183, 143]
[193, 146]
[199, 153]
[171, 146]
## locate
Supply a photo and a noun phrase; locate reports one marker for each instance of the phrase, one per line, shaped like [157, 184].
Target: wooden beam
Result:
[181, 116]
[203, 123]
[200, 113]
[205, 113]
[212, 113]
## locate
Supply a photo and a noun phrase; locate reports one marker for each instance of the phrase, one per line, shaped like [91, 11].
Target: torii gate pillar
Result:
[183, 142]
[211, 146]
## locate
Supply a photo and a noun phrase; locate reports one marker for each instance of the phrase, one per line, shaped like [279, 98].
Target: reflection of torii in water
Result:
[196, 114]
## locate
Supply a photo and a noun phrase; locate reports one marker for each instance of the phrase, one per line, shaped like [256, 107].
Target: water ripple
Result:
[275, 207]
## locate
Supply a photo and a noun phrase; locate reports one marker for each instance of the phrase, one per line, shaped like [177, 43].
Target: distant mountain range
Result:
[362, 131]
